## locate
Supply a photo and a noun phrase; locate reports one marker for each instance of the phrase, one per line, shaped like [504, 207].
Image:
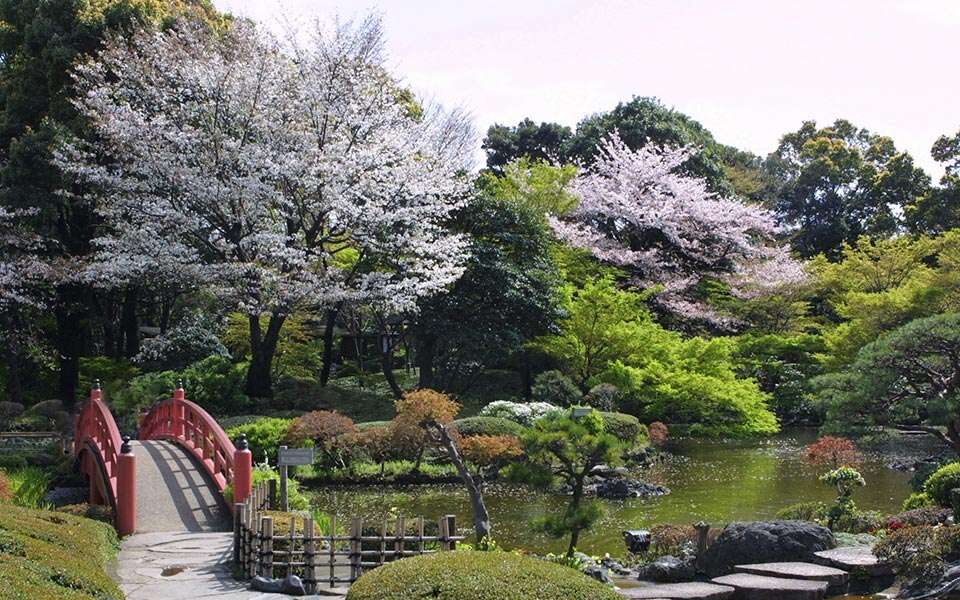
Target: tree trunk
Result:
[129, 324]
[328, 340]
[263, 347]
[12, 359]
[386, 364]
[574, 510]
[426, 354]
[69, 342]
[481, 518]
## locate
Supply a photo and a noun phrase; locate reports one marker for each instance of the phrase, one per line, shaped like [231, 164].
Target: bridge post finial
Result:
[96, 392]
[242, 443]
[178, 393]
[125, 446]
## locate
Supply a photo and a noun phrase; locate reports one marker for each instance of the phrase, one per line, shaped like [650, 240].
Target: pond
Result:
[713, 481]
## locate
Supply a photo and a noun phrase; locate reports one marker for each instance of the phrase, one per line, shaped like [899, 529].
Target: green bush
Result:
[47, 555]
[488, 426]
[265, 436]
[471, 575]
[603, 396]
[624, 427]
[943, 480]
[920, 553]
[804, 511]
[113, 374]
[918, 500]
[555, 388]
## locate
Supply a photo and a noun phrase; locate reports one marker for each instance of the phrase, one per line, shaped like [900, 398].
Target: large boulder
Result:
[765, 542]
[668, 569]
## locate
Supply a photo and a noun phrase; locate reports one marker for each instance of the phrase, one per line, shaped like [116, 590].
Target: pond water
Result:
[713, 481]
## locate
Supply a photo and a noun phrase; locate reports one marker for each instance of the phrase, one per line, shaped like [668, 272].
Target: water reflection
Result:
[714, 481]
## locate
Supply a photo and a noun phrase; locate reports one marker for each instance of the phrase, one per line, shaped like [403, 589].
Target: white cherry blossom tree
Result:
[280, 176]
[668, 230]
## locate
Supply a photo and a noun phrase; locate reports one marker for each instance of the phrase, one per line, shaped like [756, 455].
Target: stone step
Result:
[758, 587]
[855, 560]
[679, 591]
[835, 578]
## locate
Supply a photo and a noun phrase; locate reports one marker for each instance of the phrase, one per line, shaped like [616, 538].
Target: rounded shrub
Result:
[471, 575]
[265, 436]
[488, 426]
[603, 396]
[624, 427]
[918, 500]
[943, 480]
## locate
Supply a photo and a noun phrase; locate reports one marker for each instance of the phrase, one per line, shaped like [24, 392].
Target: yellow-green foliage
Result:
[54, 556]
[471, 575]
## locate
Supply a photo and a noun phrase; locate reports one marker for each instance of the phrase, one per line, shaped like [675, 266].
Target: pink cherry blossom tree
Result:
[669, 231]
[279, 176]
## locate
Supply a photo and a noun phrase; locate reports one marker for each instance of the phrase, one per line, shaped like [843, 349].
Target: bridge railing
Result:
[187, 424]
[106, 458]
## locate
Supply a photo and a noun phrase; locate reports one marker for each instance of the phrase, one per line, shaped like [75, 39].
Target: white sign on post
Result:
[290, 457]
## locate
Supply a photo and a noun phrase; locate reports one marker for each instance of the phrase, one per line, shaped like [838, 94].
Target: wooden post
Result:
[284, 501]
[442, 533]
[703, 531]
[398, 541]
[309, 555]
[383, 542]
[272, 494]
[126, 490]
[242, 471]
[238, 509]
[356, 532]
[266, 547]
[333, 547]
[292, 540]
[451, 532]
[420, 534]
[256, 546]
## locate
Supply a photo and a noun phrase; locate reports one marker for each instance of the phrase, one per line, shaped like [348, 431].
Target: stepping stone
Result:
[855, 559]
[757, 587]
[835, 578]
[679, 591]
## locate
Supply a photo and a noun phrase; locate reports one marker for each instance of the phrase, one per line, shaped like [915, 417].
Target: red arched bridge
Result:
[173, 477]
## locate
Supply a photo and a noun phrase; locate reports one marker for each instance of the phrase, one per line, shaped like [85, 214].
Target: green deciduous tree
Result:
[840, 182]
[505, 144]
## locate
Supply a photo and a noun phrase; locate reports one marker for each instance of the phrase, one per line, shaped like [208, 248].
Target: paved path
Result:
[184, 566]
[174, 493]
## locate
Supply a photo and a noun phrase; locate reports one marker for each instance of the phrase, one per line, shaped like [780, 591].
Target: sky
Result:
[748, 70]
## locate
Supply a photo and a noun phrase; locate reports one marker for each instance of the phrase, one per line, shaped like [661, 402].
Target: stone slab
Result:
[678, 591]
[757, 587]
[834, 577]
[855, 559]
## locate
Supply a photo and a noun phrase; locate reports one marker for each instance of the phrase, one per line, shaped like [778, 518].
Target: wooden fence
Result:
[273, 546]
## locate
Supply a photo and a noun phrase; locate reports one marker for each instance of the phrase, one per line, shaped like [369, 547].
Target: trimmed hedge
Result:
[626, 428]
[488, 426]
[265, 436]
[46, 555]
[939, 484]
[471, 575]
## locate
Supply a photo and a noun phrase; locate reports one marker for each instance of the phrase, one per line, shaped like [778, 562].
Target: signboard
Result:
[289, 457]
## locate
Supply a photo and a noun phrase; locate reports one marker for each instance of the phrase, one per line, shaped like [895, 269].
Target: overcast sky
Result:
[749, 70]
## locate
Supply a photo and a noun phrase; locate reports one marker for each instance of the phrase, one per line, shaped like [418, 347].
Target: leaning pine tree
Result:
[279, 177]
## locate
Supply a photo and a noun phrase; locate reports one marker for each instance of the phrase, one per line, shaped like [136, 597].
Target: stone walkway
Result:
[184, 566]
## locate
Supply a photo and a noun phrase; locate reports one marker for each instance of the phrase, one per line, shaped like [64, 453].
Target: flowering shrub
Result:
[832, 451]
[193, 339]
[525, 413]
[658, 433]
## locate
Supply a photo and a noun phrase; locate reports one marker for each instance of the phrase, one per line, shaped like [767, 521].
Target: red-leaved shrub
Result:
[833, 451]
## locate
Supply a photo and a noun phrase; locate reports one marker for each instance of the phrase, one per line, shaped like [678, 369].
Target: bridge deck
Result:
[174, 493]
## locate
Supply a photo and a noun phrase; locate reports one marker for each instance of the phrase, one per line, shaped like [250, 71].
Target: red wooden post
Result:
[127, 490]
[179, 410]
[242, 471]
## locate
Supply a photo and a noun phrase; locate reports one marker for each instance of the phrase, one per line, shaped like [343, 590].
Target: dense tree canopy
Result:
[840, 182]
[909, 378]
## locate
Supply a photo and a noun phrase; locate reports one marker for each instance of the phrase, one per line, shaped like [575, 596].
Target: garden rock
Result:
[619, 489]
[598, 572]
[614, 566]
[668, 569]
[948, 583]
[608, 472]
[64, 496]
[290, 585]
[766, 541]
